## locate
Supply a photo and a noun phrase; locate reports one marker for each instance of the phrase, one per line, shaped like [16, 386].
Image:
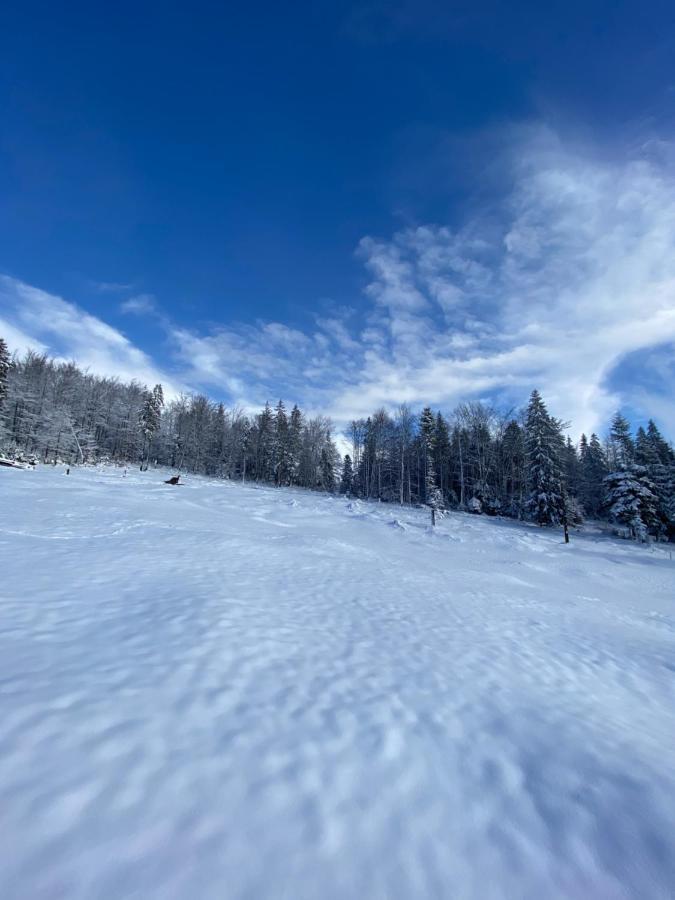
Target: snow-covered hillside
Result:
[218, 691]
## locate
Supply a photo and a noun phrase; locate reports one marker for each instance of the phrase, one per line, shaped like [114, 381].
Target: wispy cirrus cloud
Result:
[139, 305]
[268, 360]
[31, 318]
[111, 287]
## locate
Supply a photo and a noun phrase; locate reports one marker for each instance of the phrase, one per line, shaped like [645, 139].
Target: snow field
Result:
[225, 691]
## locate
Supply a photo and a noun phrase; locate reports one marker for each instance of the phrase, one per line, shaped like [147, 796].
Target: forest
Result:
[515, 463]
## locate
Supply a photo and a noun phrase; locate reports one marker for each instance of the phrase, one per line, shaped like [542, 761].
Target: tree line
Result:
[516, 464]
[54, 411]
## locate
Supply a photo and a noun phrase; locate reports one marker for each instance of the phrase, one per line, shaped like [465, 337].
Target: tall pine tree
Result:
[543, 442]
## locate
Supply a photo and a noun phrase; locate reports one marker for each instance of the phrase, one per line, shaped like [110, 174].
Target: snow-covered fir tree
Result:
[546, 501]
[620, 445]
[433, 497]
[631, 496]
[427, 432]
[295, 429]
[653, 452]
[631, 501]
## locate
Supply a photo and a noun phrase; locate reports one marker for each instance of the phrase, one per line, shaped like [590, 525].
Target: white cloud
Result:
[18, 341]
[34, 318]
[139, 305]
[582, 274]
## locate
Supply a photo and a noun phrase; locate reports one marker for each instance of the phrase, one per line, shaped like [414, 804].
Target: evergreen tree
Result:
[620, 443]
[431, 493]
[264, 444]
[327, 469]
[652, 452]
[662, 448]
[158, 398]
[347, 475]
[295, 427]
[631, 501]
[427, 426]
[543, 441]
[593, 468]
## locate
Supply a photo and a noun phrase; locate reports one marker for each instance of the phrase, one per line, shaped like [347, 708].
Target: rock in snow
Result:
[207, 693]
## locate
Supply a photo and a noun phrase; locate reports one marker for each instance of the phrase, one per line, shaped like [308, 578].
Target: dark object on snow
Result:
[173, 480]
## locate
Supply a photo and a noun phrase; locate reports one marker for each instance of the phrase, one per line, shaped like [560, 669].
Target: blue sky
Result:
[348, 205]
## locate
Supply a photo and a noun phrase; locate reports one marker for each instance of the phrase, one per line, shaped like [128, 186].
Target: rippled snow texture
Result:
[218, 691]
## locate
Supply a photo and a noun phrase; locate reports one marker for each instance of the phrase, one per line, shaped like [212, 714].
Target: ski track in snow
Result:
[222, 691]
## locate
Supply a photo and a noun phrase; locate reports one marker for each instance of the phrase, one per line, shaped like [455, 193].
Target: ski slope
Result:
[223, 691]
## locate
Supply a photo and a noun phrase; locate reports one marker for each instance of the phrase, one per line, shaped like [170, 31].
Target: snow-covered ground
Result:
[217, 691]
